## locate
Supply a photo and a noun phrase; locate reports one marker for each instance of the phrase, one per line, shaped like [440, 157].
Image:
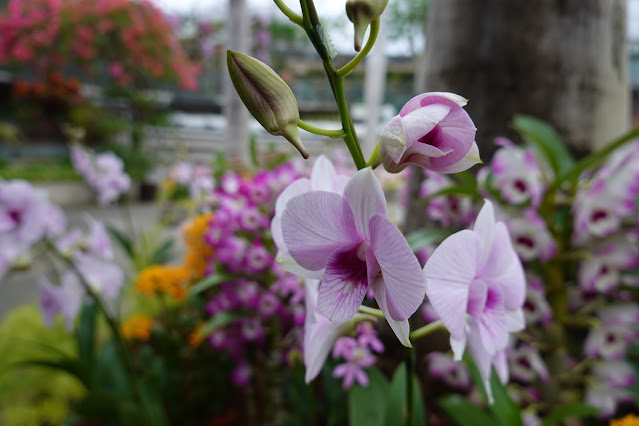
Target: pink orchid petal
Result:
[515, 320]
[493, 331]
[485, 228]
[400, 328]
[433, 97]
[315, 224]
[286, 261]
[366, 197]
[392, 142]
[344, 285]
[458, 346]
[470, 159]
[500, 363]
[372, 266]
[449, 272]
[323, 175]
[298, 187]
[403, 278]
[503, 268]
[420, 122]
[456, 132]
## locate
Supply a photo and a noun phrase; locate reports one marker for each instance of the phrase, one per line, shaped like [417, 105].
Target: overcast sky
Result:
[325, 8]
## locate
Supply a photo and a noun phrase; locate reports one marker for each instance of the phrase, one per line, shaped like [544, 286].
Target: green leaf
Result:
[545, 141]
[85, 334]
[424, 237]
[367, 405]
[575, 410]
[503, 407]
[397, 406]
[68, 365]
[572, 175]
[207, 283]
[124, 241]
[163, 254]
[253, 151]
[463, 413]
[219, 320]
[153, 404]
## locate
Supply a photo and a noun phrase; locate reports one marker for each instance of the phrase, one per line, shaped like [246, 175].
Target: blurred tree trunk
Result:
[563, 61]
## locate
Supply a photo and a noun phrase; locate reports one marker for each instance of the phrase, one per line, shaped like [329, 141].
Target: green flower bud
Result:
[361, 13]
[266, 96]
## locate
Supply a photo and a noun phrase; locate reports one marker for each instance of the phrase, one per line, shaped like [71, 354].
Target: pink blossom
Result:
[241, 375]
[611, 386]
[446, 209]
[476, 284]
[601, 272]
[617, 330]
[445, 368]
[65, 299]
[526, 364]
[530, 237]
[351, 241]
[431, 131]
[353, 370]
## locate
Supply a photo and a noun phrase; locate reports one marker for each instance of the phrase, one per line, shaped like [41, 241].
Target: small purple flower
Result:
[350, 239]
[611, 386]
[526, 364]
[536, 307]
[367, 337]
[97, 241]
[431, 131]
[268, 305]
[447, 209]
[477, 286]
[601, 272]
[258, 258]
[251, 329]
[596, 211]
[23, 212]
[530, 237]
[517, 174]
[617, 330]
[445, 368]
[65, 299]
[353, 370]
[242, 375]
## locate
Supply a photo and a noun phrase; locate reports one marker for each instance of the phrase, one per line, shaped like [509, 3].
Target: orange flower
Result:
[161, 279]
[137, 327]
[196, 337]
[629, 420]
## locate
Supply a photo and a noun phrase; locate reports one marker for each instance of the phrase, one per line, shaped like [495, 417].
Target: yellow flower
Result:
[137, 327]
[162, 279]
[196, 337]
[629, 420]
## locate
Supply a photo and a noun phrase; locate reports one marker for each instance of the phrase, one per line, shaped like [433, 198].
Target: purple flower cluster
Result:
[104, 173]
[196, 177]
[447, 210]
[358, 354]
[263, 294]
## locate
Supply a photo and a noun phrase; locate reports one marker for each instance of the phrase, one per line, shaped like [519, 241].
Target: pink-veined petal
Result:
[422, 121]
[503, 268]
[470, 159]
[323, 174]
[454, 133]
[315, 224]
[449, 272]
[392, 142]
[401, 272]
[344, 285]
[297, 187]
[485, 229]
[492, 330]
[431, 98]
[286, 261]
[400, 328]
[458, 346]
[515, 320]
[366, 198]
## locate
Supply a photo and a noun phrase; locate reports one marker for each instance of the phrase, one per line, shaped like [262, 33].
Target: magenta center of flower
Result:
[598, 215]
[15, 216]
[526, 241]
[520, 185]
[434, 138]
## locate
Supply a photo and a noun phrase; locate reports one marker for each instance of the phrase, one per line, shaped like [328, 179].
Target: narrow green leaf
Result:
[463, 413]
[85, 334]
[68, 365]
[572, 175]
[367, 405]
[219, 320]
[124, 241]
[545, 141]
[424, 237]
[570, 411]
[207, 283]
[397, 406]
[163, 254]
[253, 151]
[503, 407]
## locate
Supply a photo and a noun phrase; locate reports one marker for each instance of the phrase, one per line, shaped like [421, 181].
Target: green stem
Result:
[350, 67]
[290, 14]
[408, 360]
[333, 134]
[347, 123]
[372, 311]
[426, 330]
[115, 331]
[375, 159]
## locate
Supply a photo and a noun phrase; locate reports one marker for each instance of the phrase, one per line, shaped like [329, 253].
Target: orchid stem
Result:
[426, 330]
[333, 134]
[372, 311]
[375, 160]
[408, 360]
[372, 37]
[290, 14]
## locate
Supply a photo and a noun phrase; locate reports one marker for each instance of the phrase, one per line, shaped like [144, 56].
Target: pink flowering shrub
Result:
[131, 40]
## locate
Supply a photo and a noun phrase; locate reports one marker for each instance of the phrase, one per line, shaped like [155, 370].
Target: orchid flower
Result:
[349, 241]
[477, 286]
[323, 178]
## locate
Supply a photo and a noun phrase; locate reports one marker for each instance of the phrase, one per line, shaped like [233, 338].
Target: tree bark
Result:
[563, 61]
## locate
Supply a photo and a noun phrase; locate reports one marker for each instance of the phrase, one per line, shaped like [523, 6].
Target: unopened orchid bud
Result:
[266, 96]
[431, 131]
[361, 13]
